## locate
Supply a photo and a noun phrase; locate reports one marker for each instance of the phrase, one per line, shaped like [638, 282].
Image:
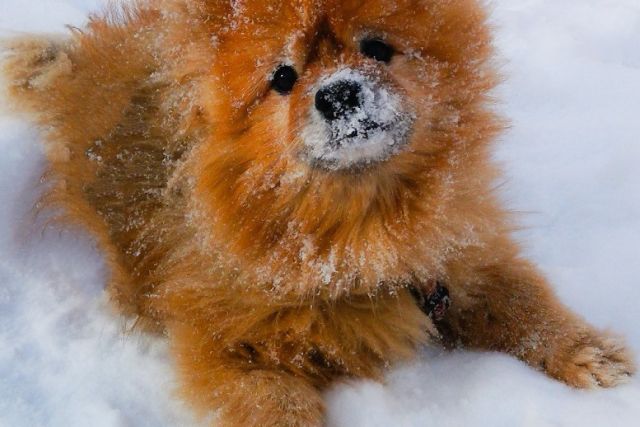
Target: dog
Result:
[296, 192]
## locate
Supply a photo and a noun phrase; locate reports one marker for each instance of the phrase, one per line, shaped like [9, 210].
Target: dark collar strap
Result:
[434, 304]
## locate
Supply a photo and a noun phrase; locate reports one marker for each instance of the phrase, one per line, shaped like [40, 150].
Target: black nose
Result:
[339, 99]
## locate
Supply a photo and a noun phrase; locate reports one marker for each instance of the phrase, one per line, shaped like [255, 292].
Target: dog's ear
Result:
[33, 64]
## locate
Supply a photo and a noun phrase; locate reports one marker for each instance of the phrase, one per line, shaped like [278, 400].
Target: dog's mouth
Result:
[355, 122]
[364, 129]
[357, 144]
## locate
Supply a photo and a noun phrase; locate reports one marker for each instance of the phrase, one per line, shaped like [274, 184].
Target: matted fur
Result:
[273, 277]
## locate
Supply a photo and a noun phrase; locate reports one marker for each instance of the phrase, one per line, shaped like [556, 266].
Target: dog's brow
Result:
[323, 42]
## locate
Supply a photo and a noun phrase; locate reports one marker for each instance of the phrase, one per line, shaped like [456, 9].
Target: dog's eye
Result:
[377, 49]
[284, 79]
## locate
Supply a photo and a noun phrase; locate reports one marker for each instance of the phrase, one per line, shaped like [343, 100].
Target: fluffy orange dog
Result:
[287, 188]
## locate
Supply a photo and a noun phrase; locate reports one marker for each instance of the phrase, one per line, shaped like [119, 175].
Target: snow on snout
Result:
[370, 132]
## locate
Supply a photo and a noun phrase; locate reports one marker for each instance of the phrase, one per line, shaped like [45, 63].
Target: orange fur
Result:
[273, 277]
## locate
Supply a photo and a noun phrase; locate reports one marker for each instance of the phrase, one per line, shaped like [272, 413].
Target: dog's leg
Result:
[500, 302]
[241, 391]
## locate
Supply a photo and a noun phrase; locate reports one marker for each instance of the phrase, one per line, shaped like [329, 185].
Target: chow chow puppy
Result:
[295, 191]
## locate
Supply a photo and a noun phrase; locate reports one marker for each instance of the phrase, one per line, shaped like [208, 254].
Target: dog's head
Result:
[333, 126]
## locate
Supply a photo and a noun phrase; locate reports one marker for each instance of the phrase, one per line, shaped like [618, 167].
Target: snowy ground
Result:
[572, 156]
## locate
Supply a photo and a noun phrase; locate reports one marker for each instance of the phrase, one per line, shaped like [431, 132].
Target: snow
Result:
[571, 156]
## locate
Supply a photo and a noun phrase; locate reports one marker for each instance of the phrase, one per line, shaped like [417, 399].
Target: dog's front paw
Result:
[591, 360]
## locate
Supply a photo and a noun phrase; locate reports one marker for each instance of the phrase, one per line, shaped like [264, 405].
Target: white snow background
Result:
[572, 162]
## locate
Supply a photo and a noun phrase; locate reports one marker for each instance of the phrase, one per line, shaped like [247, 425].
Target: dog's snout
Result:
[356, 119]
[339, 99]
